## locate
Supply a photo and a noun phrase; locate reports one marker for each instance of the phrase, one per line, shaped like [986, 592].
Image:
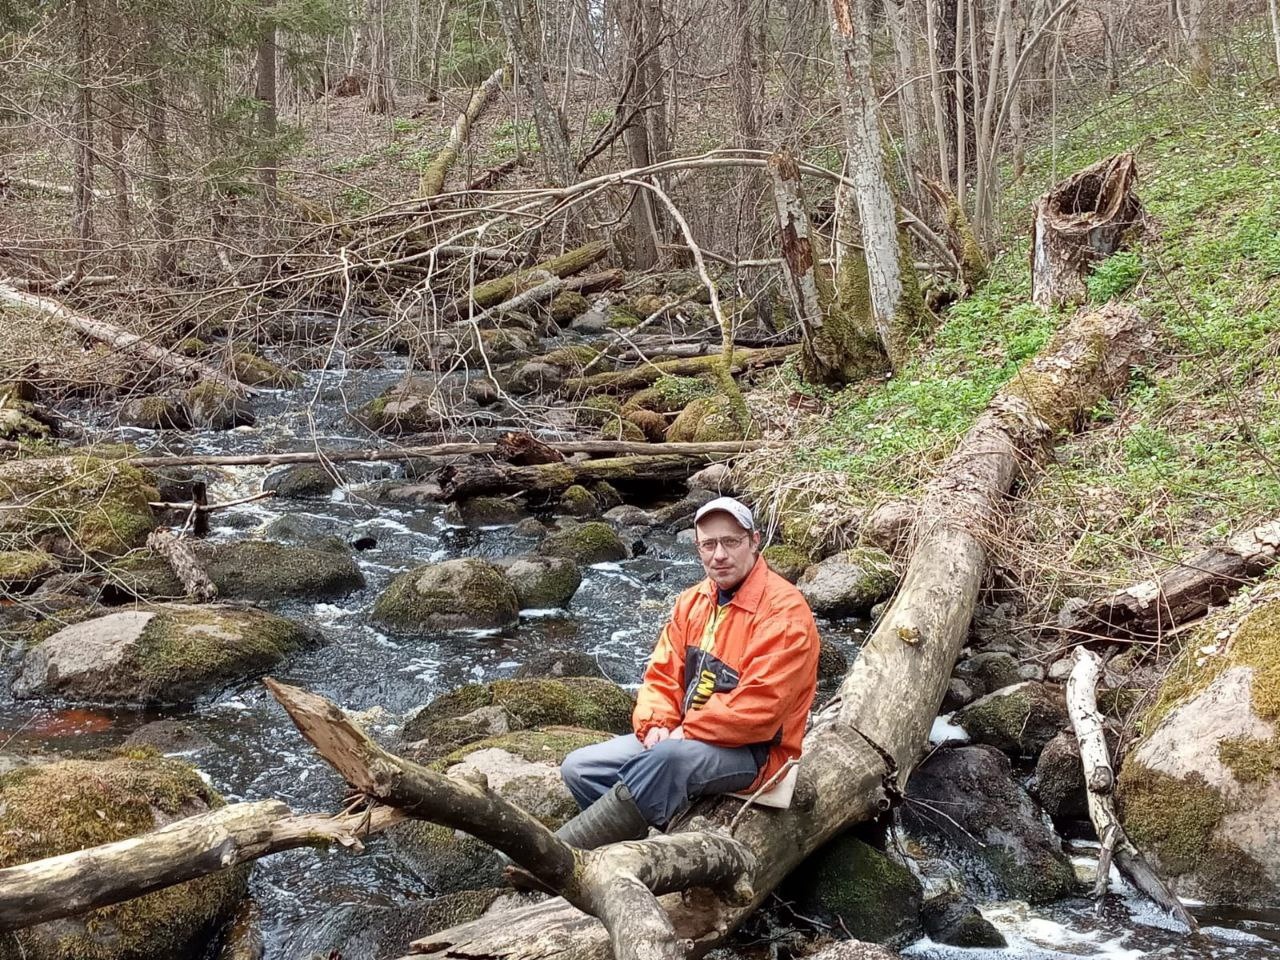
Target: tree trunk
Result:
[1274, 8]
[551, 133]
[433, 176]
[82, 181]
[914, 131]
[746, 85]
[472, 480]
[184, 563]
[265, 93]
[623, 381]
[1198, 40]
[640, 86]
[380, 95]
[1154, 607]
[158, 158]
[495, 291]
[799, 17]
[1082, 221]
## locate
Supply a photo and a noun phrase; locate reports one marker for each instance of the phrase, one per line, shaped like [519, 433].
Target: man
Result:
[725, 698]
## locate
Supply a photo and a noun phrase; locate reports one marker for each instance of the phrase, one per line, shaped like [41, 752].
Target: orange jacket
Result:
[742, 674]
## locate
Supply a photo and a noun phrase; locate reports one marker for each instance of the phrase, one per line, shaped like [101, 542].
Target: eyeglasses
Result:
[708, 547]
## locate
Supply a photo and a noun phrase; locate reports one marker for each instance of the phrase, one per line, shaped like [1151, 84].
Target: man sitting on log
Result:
[725, 698]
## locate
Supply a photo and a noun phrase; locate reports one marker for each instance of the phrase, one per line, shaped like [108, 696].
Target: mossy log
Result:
[470, 480]
[523, 450]
[642, 376]
[186, 566]
[432, 181]
[1207, 579]
[502, 288]
[1084, 219]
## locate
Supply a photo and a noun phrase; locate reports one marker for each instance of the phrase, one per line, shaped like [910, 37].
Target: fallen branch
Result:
[497, 290]
[185, 565]
[1208, 579]
[1100, 779]
[460, 481]
[197, 507]
[433, 176]
[642, 376]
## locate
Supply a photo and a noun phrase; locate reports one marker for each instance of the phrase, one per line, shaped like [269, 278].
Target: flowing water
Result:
[305, 897]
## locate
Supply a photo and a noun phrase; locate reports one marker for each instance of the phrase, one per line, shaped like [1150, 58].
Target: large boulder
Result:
[255, 570]
[455, 594]
[787, 562]
[157, 412]
[167, 655]
[851, 885]
[542, 582]
[211, 406]
[1200, 793]
[300, 481]
[968, 809]
[49, 809]
[712, 419]
[1019, 719]
[1059, 781]
[415, 405]
[951, 919]
[848, 584]
[585, 543]
[75, 505]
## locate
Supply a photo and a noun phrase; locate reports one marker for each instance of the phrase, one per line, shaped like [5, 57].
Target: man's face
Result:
[726, 550]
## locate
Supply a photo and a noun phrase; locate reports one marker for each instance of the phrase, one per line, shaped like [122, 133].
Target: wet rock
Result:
[169, 736]
[243, 939]
[257, 570]
[991, 829]
[483, 391]
[585, 544]
[577, 501]
[832, 663]
[680, 514]
[560, 663]
[414, 405]
[438, 737]
[153, 413]
[305, 480]
[255, 371]
[567, 305]
[400, 925]
[629, 515]
[60, 807]
[296, 527]
[787, 562]
[464, 593]
[530, 527]
[542, 582]
[959, 694]
[606, 495]
[717, 478]
[536, 376]
[486, 511]
[852, 886]
[985, 672]
[951, 919]
[171, 655]
[1019, 719]
[1059, 781]
[849, 583]
[211, 406]
[22, 570]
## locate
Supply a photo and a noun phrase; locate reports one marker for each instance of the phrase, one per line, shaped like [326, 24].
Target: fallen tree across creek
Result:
[857, 756]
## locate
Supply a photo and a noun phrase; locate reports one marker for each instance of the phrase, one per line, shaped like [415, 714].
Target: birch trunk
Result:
[433, 176]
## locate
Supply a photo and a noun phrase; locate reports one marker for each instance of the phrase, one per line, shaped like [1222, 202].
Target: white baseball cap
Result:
[735, 508]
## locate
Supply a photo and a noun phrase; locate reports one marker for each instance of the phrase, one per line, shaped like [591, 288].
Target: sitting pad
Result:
[778, 795]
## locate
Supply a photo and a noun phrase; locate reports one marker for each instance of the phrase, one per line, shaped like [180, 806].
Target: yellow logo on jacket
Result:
[706, 687]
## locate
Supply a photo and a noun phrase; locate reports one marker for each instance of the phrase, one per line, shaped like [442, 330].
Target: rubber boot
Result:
[613, 817]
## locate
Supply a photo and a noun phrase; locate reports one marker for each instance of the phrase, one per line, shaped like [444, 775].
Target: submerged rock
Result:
[542, 582]
[464, 593]
[168, 655]
[559, 663]
[54, 808]
[849, 583]
[1019, 719]
[585, 543]
[302, 480]
[951, 919]
[211, 406]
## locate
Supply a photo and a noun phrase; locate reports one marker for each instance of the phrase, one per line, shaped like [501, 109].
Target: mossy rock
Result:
[158, 412]
[577, 501]
[597, 411]
[590, 702]
[832, 663]
[848, 584]
[585, 544]
[606, 495]
[255, 371]
[707, 420]
[951, 919]
[619, 317]
[669, 394]
[18, 421]
[567, 305]
[400, 925]
[985, 672]
[652, 425]
[21, 570]
[256, 570]
[858, 888]
[504, 345]
[622, 430]
[414, 405]
[49, 809]
[301, 481]
[486, 511]
[559, 663]
[1019, 719]
[211, 406]
[192, 347]
[570, 359]
[171, 654]
[786, 561]
[455, 594]
[75, 505]
[542, 582]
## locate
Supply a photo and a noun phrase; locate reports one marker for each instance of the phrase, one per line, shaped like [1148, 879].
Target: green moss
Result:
[547, 745]
[706, 420]
[577, 501]
[568, 305]
[589, 702]
[624, 429]
[1250, 759]
[570, 359]
[23, 566]
[191, 347]
[1041, 881]
[1173, 818]
[786, 561]
[598, 410]
[454, 594]
[586, 543]
[621, 318]
[56, 808]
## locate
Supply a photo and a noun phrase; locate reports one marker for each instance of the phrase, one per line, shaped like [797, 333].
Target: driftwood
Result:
[646, 374]
[459, 481]
[1081, 221]
[1100, 779]
[1153, 607]
[185, 564]
[502, 288]
[433, 176]
[72, 883]
[523, 450]
[120, 339]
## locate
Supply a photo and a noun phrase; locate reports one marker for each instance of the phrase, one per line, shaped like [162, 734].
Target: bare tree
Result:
[520, 24]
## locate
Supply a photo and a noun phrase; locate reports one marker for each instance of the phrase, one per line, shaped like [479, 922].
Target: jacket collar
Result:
[749, 591]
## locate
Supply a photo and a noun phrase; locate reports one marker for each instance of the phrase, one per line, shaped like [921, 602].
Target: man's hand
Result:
[655, 736]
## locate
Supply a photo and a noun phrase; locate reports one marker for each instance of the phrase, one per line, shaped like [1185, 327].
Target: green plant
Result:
[1115, 276]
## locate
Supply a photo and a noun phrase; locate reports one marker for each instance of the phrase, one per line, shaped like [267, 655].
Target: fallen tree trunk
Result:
[184, 563]
[1185, 593]
[1100, 779]
[120, 339]
[460, 481]
[858, 754]
[1081, 221]
[432, 181]
[502, 288]
[646, 374]
[523, 450]
[72, 883]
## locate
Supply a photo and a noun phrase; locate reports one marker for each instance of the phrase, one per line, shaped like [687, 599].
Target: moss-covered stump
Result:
[49, 809]
[848, 584]
[1200, 793]
[585, 543]
[652, 425]
[75, 505]
[157, 412]
[255, 371]
[589, 702]
[211, 406]
[455, 594]
[577, 501]
[854, 886]
[257, 570]
[991, 830]
[171, 654]
[1019, 719]
[301, 481]
[786, 561]
[414, 405]
[708, 420]
[22, 570]
[542, 582]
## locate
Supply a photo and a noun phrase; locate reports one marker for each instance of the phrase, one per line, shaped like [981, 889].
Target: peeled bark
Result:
[433, 176]
[1082, 221]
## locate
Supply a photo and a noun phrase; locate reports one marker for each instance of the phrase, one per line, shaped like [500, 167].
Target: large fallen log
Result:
[502, 288]
[459, 481]
[648, 373]
[184, 563]
[432, 181]
[120, 339]
[1154, 607]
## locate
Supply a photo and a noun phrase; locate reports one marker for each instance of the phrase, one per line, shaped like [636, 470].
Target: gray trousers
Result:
[664, 779]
